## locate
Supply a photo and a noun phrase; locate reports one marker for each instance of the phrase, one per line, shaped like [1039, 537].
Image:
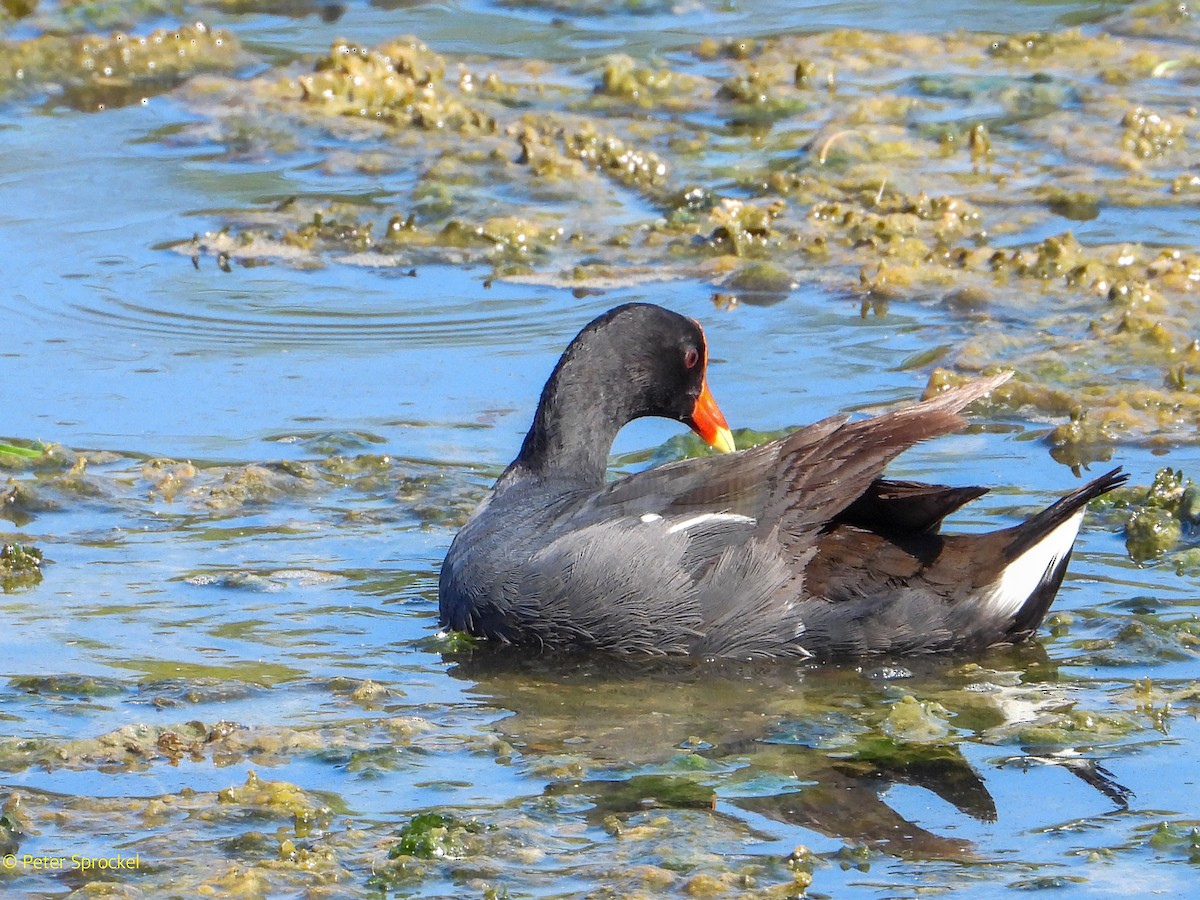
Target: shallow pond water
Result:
[242, 428]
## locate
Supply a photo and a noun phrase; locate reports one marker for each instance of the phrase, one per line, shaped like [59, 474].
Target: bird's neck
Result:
[573, 430]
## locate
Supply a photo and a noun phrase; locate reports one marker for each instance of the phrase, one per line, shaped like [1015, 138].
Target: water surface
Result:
[231, 666]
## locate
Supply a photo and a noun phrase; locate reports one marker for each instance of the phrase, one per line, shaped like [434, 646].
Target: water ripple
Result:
[286, 311]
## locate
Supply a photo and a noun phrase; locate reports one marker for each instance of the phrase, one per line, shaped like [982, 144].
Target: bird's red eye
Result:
[691, 358]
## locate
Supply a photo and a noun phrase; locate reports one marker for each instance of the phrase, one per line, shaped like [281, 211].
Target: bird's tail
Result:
[1039, 551]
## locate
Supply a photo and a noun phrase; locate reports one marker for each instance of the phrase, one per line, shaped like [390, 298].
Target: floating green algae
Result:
[1180, 838]
[20, 566]
[434, 835]
[67, 685]
[849, 186]
[137, 746]
[430, 841]
[1149, 135]
[911, 720]
[651, 823]
[23, 455]
[1157, 517]
[95, 71]
[11, 454]
[399, 82]
[64, 479]
[14, 824]
[279, 798]
[16, 9]
[645, 86]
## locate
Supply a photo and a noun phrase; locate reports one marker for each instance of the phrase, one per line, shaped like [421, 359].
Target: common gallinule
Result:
[795, 548]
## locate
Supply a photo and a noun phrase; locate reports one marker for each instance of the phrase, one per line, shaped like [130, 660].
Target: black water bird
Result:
[796, 548]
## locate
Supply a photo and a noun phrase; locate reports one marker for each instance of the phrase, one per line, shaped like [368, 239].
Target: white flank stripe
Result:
[728, 518]
[651, 517]
[1021, 577]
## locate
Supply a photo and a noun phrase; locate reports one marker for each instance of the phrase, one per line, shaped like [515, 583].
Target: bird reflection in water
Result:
[818, 747]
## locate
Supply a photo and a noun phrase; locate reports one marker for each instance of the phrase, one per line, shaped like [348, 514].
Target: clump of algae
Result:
[20, 566]
[400, 82]
[94, 72]
[277, 798]
[1157, 518]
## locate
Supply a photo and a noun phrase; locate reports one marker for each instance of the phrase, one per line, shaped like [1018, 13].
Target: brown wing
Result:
[819, 479]
[800, 483]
